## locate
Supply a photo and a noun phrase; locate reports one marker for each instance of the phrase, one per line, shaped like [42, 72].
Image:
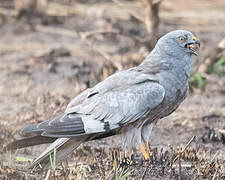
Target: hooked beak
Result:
[193, 47]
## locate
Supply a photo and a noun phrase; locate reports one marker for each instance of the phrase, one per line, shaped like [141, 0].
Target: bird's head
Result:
[179, 43]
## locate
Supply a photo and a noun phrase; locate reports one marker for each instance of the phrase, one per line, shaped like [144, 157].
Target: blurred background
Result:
[50, 50]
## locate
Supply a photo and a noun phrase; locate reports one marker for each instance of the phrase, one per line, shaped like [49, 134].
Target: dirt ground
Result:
[44, 62]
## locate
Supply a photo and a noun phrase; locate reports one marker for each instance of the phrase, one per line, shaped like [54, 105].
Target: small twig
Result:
[179, 166]
[214, 176]
[214, 157]
[48, 174]
[183, 165]
[126, 4]
[145, 172]
[109, 174]
[101, 31]
[106, 56]
[58, 31]
[171, 170]
[189, 142]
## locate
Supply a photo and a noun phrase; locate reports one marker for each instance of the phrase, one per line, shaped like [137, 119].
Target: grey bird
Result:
[129, 102]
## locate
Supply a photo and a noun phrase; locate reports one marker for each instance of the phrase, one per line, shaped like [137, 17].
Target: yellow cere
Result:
[194, 38]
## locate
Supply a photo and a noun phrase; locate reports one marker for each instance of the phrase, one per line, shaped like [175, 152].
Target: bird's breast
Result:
[174, 95]
[176, 88]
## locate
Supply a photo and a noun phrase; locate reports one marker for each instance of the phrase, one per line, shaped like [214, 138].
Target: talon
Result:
[148, 149]
[144, 153]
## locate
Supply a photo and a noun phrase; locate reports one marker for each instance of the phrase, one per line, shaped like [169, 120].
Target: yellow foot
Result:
[143, 151]
[147, 149]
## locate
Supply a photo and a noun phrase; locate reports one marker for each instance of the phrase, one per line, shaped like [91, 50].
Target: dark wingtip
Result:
[30, 130]
[31, 141]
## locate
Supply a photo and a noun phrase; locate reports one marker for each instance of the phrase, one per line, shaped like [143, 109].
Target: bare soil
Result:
[46, 61]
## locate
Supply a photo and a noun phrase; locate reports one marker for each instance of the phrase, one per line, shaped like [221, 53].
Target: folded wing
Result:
[115, 102]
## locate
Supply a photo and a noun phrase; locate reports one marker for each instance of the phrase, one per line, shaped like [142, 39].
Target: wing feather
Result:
[119, 106]
[117, 101]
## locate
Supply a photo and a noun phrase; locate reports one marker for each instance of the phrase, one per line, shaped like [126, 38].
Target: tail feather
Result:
[63, 146]
[32, 141]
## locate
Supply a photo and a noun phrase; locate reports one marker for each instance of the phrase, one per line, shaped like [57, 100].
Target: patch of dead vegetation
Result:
[47, 104]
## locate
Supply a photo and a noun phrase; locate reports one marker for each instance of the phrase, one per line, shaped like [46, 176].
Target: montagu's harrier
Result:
[128, 102]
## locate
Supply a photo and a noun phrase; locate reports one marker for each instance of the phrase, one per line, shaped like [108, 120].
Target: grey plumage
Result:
[129, 102]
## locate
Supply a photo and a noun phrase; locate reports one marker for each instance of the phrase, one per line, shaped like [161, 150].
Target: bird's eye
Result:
[194, 38]
[181, 38]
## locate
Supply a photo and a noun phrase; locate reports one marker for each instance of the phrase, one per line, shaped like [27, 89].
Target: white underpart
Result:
[133, 137]
[147, 130]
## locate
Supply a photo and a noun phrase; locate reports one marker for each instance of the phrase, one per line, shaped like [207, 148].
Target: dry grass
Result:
[39, 78]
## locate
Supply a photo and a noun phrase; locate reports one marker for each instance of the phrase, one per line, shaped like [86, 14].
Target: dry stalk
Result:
[179, 166]
[96, 32]
[214, 176]
[106, 56]
[145, 172]
[152, 20]
[188, 144]
[48, 174]
[58, 31]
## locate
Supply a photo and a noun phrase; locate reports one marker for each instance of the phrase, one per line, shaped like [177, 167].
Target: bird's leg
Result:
[147, 148]
[146, 132]
[143, 151]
